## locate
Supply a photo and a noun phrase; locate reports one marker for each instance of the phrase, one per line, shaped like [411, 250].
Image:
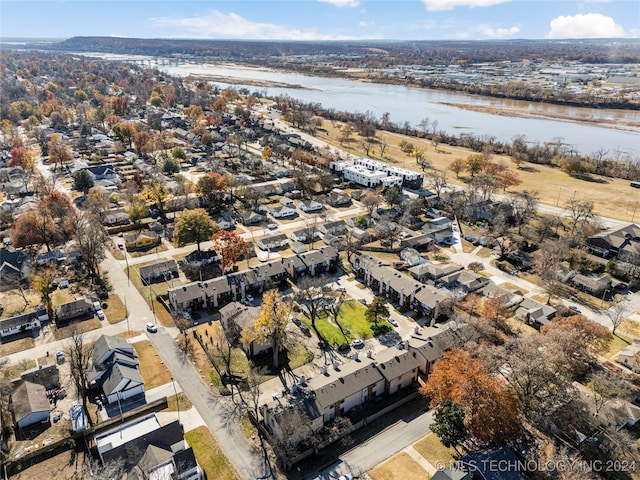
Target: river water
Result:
[449, 109]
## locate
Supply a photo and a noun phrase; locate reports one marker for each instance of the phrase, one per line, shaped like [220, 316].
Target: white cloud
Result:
[590, 25]
[341, 3]
[216, 24]
[498, 32]
[435, 5]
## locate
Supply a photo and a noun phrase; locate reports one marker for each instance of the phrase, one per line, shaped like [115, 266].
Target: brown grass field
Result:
[153, 371]
[612, 198]
[399, 467]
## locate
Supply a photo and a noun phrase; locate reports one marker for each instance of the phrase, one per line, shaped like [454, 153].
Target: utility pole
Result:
[177, 399]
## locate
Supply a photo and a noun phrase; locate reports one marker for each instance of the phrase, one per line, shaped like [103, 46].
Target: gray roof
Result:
[158, 268]
[349, 379]
[28, 398]
[393, 363]
[116, 374]
[106, 343]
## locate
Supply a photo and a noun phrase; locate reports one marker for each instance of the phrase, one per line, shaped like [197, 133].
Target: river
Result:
[614, 131]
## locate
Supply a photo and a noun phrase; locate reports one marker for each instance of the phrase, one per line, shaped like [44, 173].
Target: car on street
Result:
[393, 322]
[121, 246]
[357, 343]
[151, 328]
[272, 226]
[345, 347]
[341, 289]
[575, 309]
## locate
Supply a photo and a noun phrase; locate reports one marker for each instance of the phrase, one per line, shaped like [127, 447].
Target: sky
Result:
[322, 19]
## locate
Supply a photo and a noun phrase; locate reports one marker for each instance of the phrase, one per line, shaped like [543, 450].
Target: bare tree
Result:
[90, 239]
[311, 299]
[437, 180]
[499, 232]
[604, 388]
[80, 353]
[618, 312]
[524, 205]
[371, 200]
[546, 264]
[580, 212]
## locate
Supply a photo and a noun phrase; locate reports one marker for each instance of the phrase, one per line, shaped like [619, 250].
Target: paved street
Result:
[384, 445]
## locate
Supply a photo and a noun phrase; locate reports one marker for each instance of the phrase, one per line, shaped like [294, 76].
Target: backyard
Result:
[352, 320]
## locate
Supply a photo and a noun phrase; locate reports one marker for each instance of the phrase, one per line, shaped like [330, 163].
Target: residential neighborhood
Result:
[188, 272]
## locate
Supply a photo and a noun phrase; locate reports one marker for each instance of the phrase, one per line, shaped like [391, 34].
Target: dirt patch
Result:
[14, 303]
[59, 467]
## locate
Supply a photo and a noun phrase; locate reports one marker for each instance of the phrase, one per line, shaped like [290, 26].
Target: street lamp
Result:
[177, 399]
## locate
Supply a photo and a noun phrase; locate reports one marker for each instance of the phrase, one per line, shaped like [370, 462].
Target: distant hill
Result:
[387, 52]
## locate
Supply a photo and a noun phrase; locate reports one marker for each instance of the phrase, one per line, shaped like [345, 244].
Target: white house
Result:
[629, 356]
[115, 369]
[305, 235]
[282, 212]
[310, 206]
[273, 242]
[149, 449]
[20, 323]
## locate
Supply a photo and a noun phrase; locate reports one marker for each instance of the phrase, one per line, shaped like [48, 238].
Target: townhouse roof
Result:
[337, 385]
[433, 347]
[393, 363]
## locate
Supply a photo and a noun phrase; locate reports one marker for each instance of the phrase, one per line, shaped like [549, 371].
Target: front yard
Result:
[209, 455]
[153, 371]
[399, 467]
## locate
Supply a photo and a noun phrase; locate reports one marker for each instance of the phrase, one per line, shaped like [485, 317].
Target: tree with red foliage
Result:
[230, 247]
[491, 410]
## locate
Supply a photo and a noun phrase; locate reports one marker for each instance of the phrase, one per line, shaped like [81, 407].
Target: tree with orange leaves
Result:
[230, 247]
[491, 410]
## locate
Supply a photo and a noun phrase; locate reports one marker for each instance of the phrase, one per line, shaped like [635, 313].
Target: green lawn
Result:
[351, 318]
[209, 455]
